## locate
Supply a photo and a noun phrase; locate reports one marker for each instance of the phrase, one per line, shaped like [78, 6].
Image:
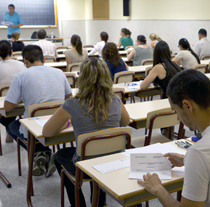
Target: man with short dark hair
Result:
[37, 84]
[48, 48]
[203, 46]
[189, 97]
[13, 17]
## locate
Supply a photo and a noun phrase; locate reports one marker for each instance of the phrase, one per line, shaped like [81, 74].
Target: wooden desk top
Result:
[208, 75]
[136, 69]
[56, 64]
[117, 182]
[205, 62]
[139, 111]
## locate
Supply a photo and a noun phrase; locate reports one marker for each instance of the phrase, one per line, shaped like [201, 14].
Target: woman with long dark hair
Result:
[163, 68]
[125, 39]
[186, 57]
[76, 53]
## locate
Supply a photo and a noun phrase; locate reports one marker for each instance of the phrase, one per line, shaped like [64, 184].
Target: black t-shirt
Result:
[17, 46]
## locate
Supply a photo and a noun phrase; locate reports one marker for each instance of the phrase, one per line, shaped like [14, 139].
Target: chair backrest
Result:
[128, 47]
[147, 61]
[93, 56]
[161, 118]
[120, 92]
[49, 59]
[74, 67]
[43, 109]
[104, 141]
[147, 70]
[61, 47]
[71, 77]
[4, 89]
[18, 53]
[86, 46]
[124, 77]
[200, 67]
[205, 57]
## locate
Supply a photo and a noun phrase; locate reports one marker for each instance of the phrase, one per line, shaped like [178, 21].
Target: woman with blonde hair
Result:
[16, 44]
[95, 107]
[155, 39]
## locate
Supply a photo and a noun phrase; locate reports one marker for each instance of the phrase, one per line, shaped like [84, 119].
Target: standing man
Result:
[189, 97]
[12, 16]
[203, 46]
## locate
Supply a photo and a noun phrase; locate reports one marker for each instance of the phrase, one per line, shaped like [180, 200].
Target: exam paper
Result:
[6, 23]
[112, 166]
[135, 85]
[142, 163]
[41, 122]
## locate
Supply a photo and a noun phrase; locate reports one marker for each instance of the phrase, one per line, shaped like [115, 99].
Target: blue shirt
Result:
[38, 84]
[15, 19]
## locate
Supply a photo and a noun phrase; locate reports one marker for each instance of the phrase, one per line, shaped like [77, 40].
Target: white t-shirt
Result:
[187, 58]
[202, 47]
[197, 170]
[98, 48]
[8, 69]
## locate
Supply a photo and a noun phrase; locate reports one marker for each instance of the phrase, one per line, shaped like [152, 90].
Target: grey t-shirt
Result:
[83, 123]
[141, 54]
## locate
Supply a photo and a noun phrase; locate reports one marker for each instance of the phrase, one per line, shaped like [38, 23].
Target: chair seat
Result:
[156, 137]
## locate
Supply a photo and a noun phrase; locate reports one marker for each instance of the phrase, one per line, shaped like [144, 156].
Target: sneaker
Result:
[39, 164]
[50, 166]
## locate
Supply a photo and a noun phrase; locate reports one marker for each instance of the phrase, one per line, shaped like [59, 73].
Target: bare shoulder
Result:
[158, 67]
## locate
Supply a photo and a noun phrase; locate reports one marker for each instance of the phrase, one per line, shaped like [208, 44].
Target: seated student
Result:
[100, 45]
[189, 97]
[95, 107]
[163, 68]
[76, 54]
[48, 48]
[125, 39]
[186, 57]
[141, 51]
[155, 39]
[37, 84]
[16, 44]
[8, 68]
[203, 46]
[112, 58]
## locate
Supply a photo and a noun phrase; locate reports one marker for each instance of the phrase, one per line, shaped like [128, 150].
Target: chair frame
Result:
[145, 61]
[120, 75]
[204, 57]
[123, 95]
[86, 46]
[74, 79]
[2, 89]
[72, 66]
[200, 66]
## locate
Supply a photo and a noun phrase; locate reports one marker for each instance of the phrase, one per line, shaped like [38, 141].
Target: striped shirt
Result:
[35, 85]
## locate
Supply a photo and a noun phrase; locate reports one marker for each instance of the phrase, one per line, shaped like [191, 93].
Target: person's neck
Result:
[203, 119]
[74, 48]
[36, 63]
[8, 58]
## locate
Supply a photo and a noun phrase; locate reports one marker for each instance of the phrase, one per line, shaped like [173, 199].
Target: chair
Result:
[71, 77]
[74, 67]
[155, 120]
[121, 93]
[86, 46]
[40, 109]
[128, 47]
[16, 54]
[147, 61]
[96, 143]
[49, 59]
[124, 77]
[61, 47]
[205, 57]
[200, 67]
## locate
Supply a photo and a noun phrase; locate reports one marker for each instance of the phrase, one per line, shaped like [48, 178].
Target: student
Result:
[37, 84]
[8, 68]
[163, 68]
[16, 44]
[48, 48]
[141, 51]
[203, 46]
[125, 39]
[76, 54]
[112, 58]
[189, 97]
[100, 45]
[155, 39]
[186, 57]
[95, 107]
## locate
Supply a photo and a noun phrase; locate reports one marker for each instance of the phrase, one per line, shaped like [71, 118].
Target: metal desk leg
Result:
[5, 181]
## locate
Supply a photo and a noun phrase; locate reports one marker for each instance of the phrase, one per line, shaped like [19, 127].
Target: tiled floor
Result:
[47, 190]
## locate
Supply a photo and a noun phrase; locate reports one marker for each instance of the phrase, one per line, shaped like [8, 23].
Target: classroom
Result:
[104, 103]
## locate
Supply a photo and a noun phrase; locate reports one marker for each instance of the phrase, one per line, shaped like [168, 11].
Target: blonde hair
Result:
[153, 36]
[15, 35]
[95, 88]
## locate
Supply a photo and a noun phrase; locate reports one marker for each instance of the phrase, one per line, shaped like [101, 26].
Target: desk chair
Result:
[147, 61]
[205, 57]
[61, 47]
[129, 47]
[86, 46]
[155, 120]
[40, 109]
[74, 67]
[49, 59]
[200, 67]
[16, 54]
[121, 93]
[92, 144]
[71, 77]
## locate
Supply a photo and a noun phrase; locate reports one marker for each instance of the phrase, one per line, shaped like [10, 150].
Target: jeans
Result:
[64, 157]
[12, 127]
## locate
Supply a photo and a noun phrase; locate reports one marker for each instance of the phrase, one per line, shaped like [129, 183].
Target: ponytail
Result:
[77, 43]
[126, 31]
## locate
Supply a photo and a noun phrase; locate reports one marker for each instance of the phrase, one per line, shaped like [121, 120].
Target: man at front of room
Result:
[189, 97]
[13, 17]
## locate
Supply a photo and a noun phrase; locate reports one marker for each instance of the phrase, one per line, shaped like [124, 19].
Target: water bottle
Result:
[52, 35]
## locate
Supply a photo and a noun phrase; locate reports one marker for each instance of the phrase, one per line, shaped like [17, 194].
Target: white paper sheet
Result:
[142, 163]
[135, 85]
[6, 23]
[112, 166]
[179, 171]
[41, 122]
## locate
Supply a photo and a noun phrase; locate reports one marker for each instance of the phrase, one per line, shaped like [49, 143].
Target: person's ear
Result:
[187, 105]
